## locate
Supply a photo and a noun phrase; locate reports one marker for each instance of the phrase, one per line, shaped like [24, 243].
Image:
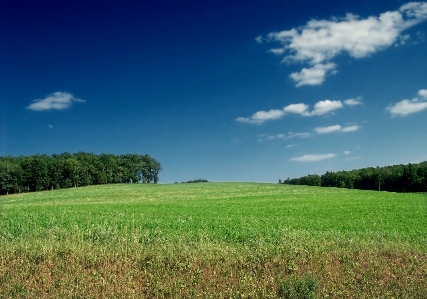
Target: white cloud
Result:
[319, 41]
[320, 108]
[350, 128]
[313, 158]
[50, 127]
[258, 39]
[423, 93]
[417, 10]
[270, 137]
[299, 135]
[347, 152]
[262, 116]
[297, 109]
[353, 102]
[406, 107]
[330, 129]
[311, 76]
[57, 100]
[290, 145]
[277, 51]
[336, 128]
[324, 107]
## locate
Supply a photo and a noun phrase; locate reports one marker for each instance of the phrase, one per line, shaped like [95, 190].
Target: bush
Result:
[297, 288]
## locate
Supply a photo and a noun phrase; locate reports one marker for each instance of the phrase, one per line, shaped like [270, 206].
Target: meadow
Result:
[213, 240]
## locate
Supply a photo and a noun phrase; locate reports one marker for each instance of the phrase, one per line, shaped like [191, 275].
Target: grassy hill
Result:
[213, 240]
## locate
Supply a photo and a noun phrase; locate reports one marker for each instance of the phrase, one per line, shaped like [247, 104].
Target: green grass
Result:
[218, 240]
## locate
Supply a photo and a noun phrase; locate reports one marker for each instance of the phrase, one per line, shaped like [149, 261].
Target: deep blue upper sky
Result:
[219, 90]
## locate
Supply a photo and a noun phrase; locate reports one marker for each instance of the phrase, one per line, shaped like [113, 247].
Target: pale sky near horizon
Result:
[217, 90]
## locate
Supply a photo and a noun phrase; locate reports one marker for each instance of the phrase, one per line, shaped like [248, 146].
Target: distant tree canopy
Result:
[42, 172]
[396, 178]
[196, 181]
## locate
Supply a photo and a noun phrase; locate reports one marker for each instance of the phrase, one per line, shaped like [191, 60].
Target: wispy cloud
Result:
[347, 152]
[407, 107]
[313, 158]
[336, 128]
[277, 136]
[320, 108]
[320, 41]
[326, 130]
[353, 102]
[299, 135]
[350, 128]
[290, 145]
[57, 100]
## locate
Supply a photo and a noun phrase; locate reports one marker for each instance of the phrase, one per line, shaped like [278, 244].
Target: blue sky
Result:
[219, 90]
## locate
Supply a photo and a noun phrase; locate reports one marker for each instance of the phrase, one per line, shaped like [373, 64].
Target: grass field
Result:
[213, 240]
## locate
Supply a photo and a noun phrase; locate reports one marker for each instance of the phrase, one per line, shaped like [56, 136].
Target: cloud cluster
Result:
[407, 107]
[320, 108]
[313, 158]
[336, 128]
[319, 41]
[57, 100]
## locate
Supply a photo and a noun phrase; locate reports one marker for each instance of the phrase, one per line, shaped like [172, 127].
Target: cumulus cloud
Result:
[325, 107]
[423, 93]
[312, 76]
[407, 107]
[320, 108]
[297, 109]
[57, 100]
[262, 116]
[319, 41]
[313, 158]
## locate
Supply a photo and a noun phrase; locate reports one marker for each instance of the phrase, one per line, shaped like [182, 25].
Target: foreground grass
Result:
[213, 240]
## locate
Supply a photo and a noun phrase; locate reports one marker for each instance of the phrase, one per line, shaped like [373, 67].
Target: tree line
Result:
[195, 181]
[42, 172]
[396, 178]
